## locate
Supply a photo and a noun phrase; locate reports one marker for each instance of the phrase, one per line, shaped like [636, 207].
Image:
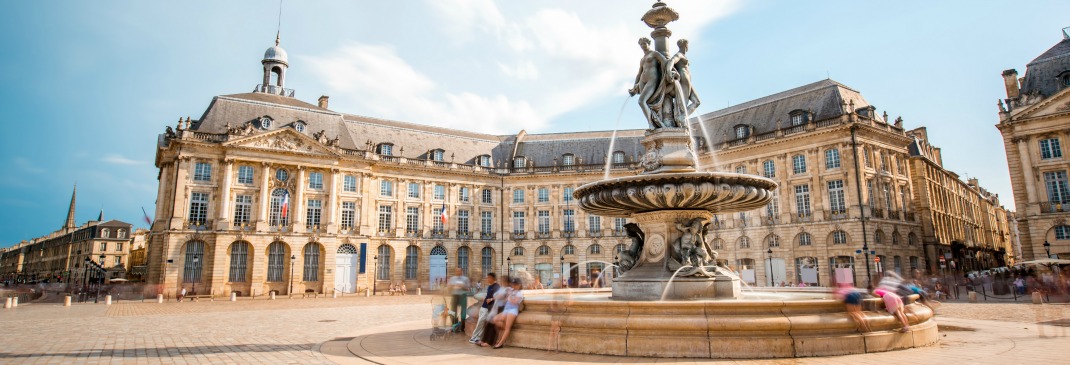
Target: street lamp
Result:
[509, 265]
[375, 278]
[195, 260]
[1047, 248]
[770, 252]
[85, 280]
[292, 259]
[563, 268]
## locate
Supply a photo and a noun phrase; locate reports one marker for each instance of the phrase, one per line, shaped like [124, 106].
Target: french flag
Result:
[285, 203]
[444, 216]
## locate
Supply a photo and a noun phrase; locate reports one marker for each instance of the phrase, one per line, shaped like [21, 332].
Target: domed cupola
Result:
[275, 63]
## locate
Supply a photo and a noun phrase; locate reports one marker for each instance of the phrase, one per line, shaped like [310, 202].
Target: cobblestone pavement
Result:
[301, 331]
[284, 331]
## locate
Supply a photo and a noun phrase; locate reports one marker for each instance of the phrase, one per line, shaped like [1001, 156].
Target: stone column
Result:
[333, 207]
[297, 202]
[223, 219]
[1027, 173]
[178, 213]
[367, 206]
[265, 197]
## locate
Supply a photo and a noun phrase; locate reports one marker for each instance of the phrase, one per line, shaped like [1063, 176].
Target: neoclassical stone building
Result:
[265, 192]
[1035, 122]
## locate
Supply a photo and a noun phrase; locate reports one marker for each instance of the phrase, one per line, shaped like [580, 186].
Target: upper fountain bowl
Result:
[717, 192]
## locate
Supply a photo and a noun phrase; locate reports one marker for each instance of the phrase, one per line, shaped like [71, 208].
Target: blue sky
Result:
[87, 86]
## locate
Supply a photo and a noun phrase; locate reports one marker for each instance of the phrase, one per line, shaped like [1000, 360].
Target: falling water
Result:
[708, 141]
[669, 283]
[613, 139]
[691, 145]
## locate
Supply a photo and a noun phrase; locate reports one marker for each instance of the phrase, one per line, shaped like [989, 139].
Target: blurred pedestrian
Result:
[852, 298]
[458, 288]
[484, 311]
[893, 303]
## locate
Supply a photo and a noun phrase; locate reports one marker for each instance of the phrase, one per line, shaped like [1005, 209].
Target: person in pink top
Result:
[893, 303]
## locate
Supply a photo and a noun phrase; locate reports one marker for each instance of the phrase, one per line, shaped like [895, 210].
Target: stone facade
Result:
[1035, 122]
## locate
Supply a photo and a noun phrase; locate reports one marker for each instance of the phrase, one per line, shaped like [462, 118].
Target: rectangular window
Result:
[543, 195]
[772, 210]
[314, 212]
[798, 164]
[1049, 148]
[118, 260]
[518, 196]
[440, 192]
[103, 246]
[119, 246]
[315, 180]
[412, 219]
[349, 214]
[544, 221]
[245, 175]
[832, 158]
[865, 157]
[386, 188]
[462, 221]
[488, 196]
[386, 218]
[869, 193]
[594, 223]
[277, 218]
[243, 208]
[436, 220]
[618, 224]
[518, 222]
[889, 203]
[414, 190]
[1062, 232]
[463, 195]
[903, 197]
[884, 161]
[768, 169]
[569, 223]
[349, 183]
[312, 263]
[1058, 192]
[198, 208]
[837, 205]
[276, 257]
[202, 172]
[567, 195]
[486, 222]
[802, 200]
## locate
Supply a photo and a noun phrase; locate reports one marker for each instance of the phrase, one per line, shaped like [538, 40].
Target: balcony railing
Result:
[542, 235]
[836, 215]
[414, 233]
[1049, 207]
[568, 234]
[878, 213]
[438, 233]
[910, 216]
[893, 215]
[519, 235]
[486, 235]
[594, 233]
[802, 218]
[272, 89]
[770, 220]
[464, 235]
[619, 233]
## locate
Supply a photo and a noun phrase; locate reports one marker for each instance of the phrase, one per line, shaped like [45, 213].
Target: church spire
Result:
[70, 212]
[100, 218]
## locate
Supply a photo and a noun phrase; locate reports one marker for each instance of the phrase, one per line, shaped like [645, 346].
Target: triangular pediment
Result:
[284, 140]
[1056, 104]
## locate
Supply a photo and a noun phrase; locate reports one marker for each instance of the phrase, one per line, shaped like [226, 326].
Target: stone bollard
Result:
[7, 303]
[367, 292]
[272, 295]
[335, 294]
[67, 301]
[973, 296]
[419, 291]
[1037, 298]
[14, 302]
[233, 297]
[159, 298]
[107, 300]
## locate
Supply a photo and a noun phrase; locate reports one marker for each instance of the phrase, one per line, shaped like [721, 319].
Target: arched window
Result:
[276, 261]
[312, 262]
[194, 263]
[772, 241]
[299, 126]
[488, 260]
[878, 237]
[383, 272]
[895, 238]
[568, 250]
[265, 122]
[568, 159]
[239, 262]
[1062, 232]
[347, 249]
[120, 233]
[618, 157]
[594, 249]
[911, 238]
[518, 251]
[744, 242]
[412, 260]
[839, 238]
[280, 209]
[462, 259]
[805, 239]
[768, 169]
[105, 233]
[742, 131]
[543, 250]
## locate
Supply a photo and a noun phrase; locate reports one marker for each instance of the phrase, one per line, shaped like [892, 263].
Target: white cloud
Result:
[116, 159]
[502, 66]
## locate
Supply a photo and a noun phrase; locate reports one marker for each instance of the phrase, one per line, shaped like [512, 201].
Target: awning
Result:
[1046, 262]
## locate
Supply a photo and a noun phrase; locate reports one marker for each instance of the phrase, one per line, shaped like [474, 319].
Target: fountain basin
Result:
[709, 191]
[797, 326]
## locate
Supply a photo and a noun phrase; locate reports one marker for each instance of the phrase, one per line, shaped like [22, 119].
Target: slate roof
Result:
[1042, 74]
[823, 99]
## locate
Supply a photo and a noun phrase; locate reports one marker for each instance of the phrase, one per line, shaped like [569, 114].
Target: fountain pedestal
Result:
[667, 150]
[650, 276]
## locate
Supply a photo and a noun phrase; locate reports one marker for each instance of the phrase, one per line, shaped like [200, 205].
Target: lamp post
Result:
[85, 280]
[375, 277]
[509, 266]
[196, 259]
[1047, 249]
[563, 268]
[293, 258]
[770, 253]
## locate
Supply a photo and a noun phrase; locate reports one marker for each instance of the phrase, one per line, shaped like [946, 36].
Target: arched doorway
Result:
[345, 269]
[437, 269]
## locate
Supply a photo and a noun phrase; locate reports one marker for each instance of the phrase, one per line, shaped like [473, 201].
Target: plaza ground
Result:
[360, 330]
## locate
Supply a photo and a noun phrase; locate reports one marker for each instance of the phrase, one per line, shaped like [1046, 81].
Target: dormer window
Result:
[483, 160]
[299, 126]
[1066, 79]
[265, 122]
[568, 159]
[520, 162]
[618, 157]
[385, 149]
[438, 155]
[742, 131]
[799, 117]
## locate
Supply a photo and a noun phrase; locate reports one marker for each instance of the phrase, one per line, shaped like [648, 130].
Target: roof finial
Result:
[278, 28]
[1066, 33]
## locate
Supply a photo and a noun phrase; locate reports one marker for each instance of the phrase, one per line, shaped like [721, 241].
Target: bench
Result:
[194, 297]
[310, 292]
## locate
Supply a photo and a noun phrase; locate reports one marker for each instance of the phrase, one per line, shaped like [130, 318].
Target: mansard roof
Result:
[823, 100]
[1042, 74]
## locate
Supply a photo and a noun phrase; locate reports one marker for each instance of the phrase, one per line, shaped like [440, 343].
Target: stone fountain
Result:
[704, 314]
